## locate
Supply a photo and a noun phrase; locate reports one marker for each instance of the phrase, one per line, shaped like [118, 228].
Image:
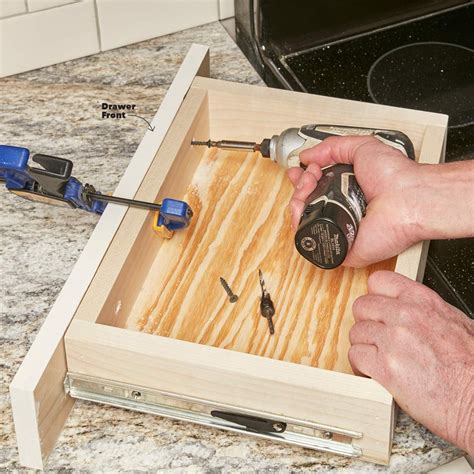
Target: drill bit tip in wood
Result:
[208, 143]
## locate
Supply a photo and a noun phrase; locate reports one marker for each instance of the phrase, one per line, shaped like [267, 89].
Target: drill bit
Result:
[229, 145]
[267, 308]
[232, 296]
[262, 282]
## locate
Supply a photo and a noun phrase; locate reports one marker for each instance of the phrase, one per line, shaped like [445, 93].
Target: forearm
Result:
[444, 201]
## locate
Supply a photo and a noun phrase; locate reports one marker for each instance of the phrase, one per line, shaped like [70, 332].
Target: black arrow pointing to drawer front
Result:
[260, 425]
[149, 124]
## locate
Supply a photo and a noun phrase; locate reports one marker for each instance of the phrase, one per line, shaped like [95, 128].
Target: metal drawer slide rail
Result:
[309, 435]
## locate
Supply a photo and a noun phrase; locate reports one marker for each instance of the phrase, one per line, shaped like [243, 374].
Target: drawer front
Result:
[40, 406]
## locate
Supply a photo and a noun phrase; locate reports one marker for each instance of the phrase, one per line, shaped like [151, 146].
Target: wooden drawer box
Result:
[144, 323]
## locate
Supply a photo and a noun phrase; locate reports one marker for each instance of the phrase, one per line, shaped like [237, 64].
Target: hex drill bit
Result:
[228, 145]
[267, 308]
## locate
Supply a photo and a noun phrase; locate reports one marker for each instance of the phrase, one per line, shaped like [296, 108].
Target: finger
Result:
[305, 186]
[315, 170]
[355, 260]
[363, 359]
[305, 183]
[361, 255]
[370, 244]
[368, 332]
[294, 173]
[392, 284]
[375, 308]
[335, 150]
[296, 208]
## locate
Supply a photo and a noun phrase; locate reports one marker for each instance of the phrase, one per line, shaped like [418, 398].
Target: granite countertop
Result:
[55, 110]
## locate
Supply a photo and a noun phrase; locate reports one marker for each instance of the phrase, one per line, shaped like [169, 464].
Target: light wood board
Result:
[241, 224]
[267, 386]
[39, 403]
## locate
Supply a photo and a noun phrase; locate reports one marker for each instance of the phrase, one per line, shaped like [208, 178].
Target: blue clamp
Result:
[174, 215]
[52, 183]
[74, 193]
[14, 166]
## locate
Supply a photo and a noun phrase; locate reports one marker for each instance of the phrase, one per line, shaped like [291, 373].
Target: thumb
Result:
[334, 150]
[374, 242]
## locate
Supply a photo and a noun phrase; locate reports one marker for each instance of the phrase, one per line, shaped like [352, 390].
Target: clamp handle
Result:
[14, 166]
[53, 175]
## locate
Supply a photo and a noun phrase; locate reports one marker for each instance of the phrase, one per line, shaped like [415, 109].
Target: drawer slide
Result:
[263, 425]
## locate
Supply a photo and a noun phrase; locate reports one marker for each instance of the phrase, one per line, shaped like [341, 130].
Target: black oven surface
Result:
[426, 63]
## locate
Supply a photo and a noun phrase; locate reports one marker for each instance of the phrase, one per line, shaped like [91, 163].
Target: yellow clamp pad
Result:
[161, 230]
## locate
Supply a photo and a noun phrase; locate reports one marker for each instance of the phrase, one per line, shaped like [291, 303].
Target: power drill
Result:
[333, 211]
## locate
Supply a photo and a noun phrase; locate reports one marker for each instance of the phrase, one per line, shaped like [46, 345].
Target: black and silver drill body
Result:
[332, 214]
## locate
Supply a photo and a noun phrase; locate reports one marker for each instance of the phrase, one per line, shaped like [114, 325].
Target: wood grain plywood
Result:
[241, 224]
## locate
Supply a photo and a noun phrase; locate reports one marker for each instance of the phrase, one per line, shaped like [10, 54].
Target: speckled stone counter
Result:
[55, 111]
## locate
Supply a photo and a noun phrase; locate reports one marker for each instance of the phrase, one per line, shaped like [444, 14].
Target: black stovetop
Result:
[425, 64]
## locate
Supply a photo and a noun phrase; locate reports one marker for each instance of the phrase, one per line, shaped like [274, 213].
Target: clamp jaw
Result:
[173, 215]
[52, 183]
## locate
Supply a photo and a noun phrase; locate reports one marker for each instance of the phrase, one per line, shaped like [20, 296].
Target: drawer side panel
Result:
[232, 378]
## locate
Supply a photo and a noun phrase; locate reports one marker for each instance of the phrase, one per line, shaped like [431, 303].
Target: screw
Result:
[232, 297]
[136, 395]
[208, 143]
[327, 435]
[279, 427]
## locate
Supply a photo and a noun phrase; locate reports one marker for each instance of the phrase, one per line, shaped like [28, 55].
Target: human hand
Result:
[421, 349]
[389, 182]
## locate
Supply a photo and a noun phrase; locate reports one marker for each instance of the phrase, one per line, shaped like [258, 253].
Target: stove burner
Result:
[432, 76]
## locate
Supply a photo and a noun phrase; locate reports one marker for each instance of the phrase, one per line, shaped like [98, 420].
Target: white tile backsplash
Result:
[226, 9]
[12, 7]
[47, 37]
[129, 21]
[37, 33]
[35, 5]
